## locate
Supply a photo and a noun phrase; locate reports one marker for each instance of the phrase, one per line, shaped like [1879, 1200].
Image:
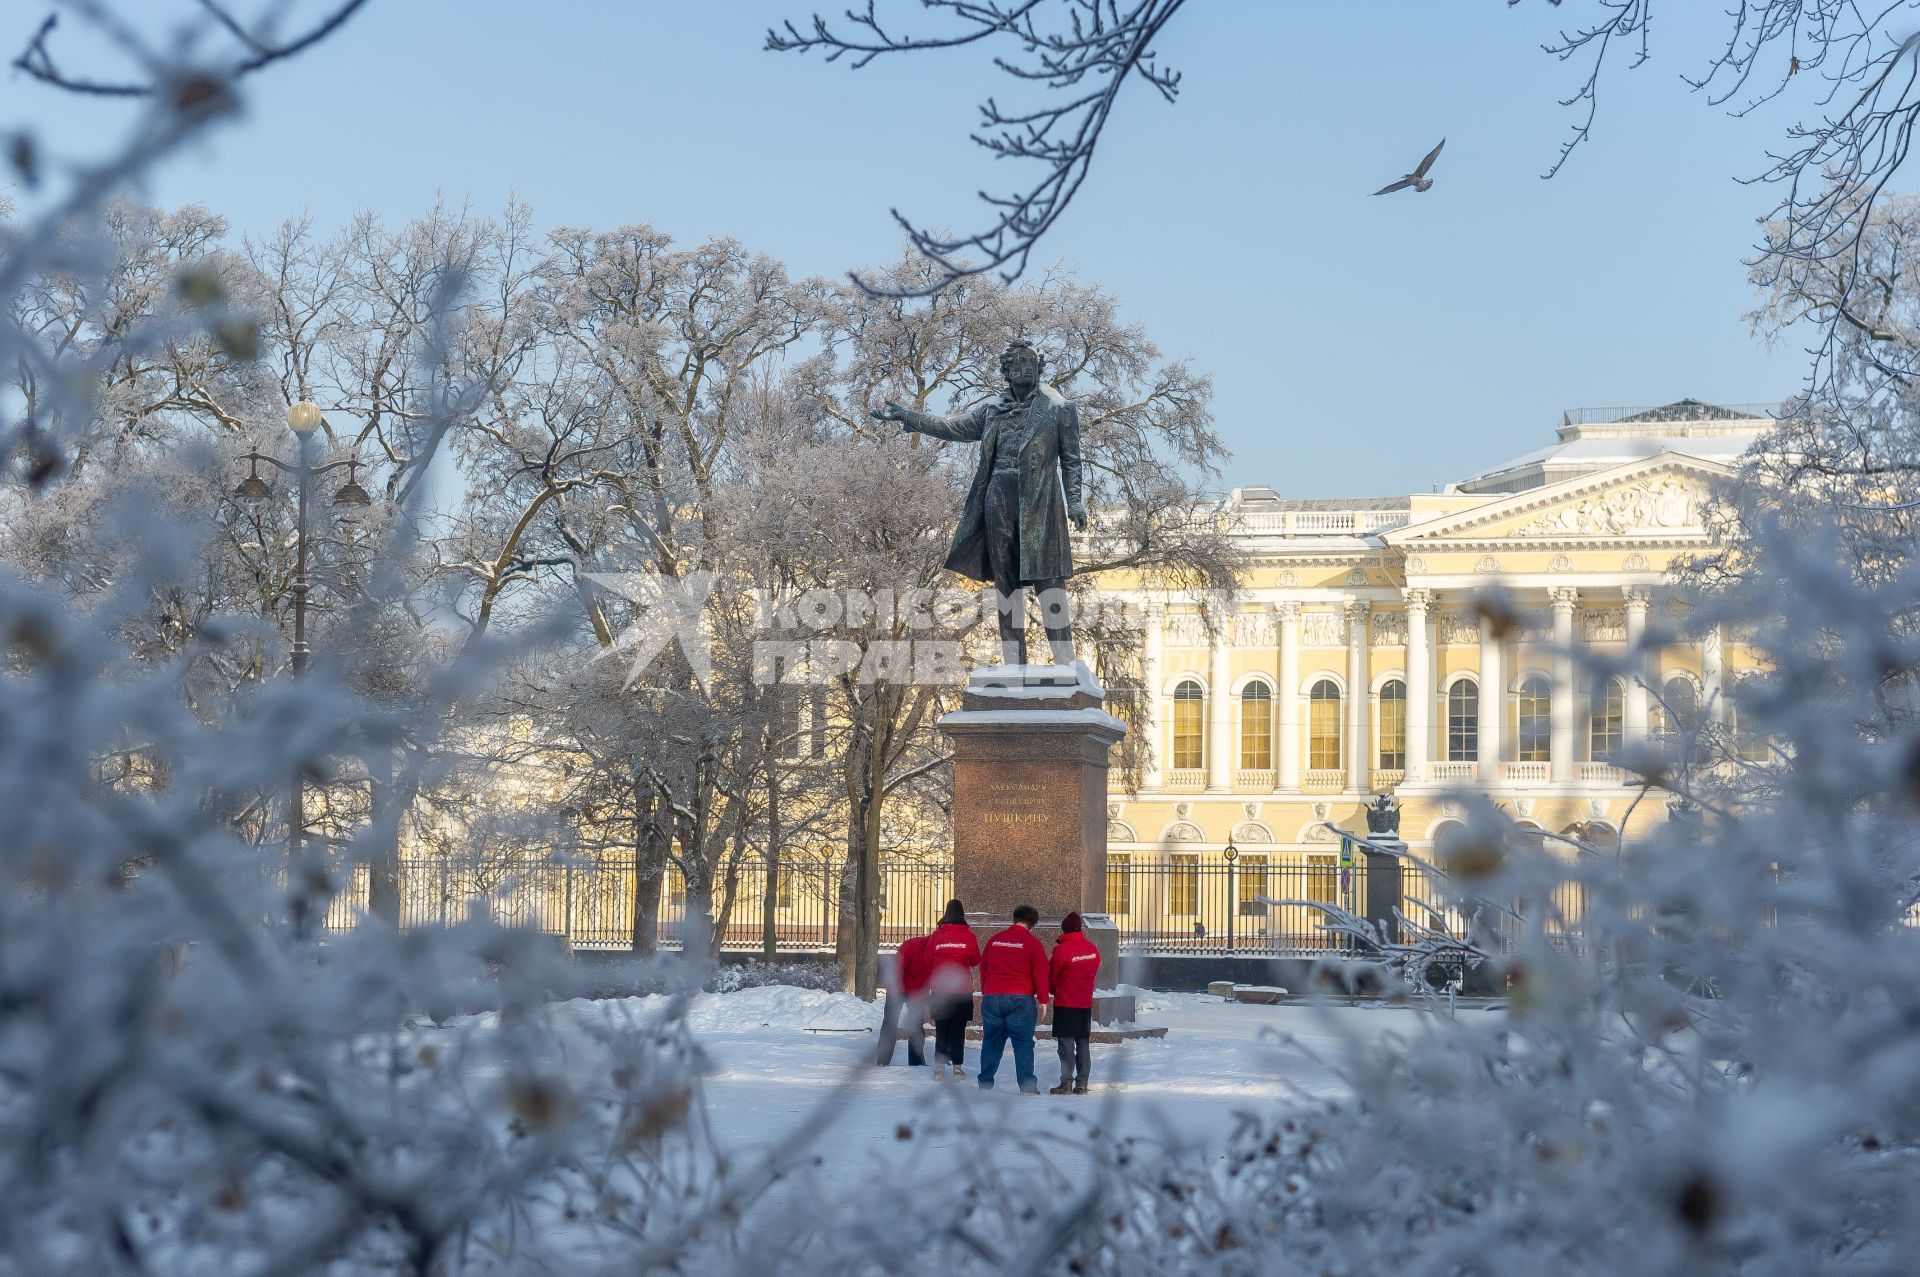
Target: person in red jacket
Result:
[1013, 988]
[903, 1015]
[1071, 970]
[943, 973]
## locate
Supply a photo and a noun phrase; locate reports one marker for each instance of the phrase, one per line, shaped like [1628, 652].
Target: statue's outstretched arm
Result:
[968, 427]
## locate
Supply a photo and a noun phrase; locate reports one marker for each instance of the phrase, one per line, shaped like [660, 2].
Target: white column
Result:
[1493, 703]
[1220, 711]
[1149, 713]
[1286, 700]
[1640, 669]
[1713, 673]
[1419, 684]
[1357, 696]
[1566, 700]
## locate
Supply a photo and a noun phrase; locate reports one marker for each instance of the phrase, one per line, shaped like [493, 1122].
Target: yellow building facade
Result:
[1358, 659]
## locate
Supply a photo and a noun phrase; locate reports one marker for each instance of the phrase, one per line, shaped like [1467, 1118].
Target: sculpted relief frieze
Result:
[1254, 629]
[1654, 505]
[1323, 629]
[1186, 629]
[1389, 629]
[1605, 624]
[1459, 627]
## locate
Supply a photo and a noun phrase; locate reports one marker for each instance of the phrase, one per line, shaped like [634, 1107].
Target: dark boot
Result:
[1062, 1089]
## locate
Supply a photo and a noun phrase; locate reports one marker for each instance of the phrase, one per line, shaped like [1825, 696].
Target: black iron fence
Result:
[1273, 905]
[1281, 904]
[600, 904]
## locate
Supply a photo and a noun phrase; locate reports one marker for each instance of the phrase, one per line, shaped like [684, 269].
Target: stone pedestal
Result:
[1384, 896]
[1030, 747]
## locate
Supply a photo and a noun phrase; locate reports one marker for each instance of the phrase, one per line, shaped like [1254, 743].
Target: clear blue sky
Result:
[1358, 346]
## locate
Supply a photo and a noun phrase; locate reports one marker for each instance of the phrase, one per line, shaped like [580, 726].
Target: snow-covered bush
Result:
[1718, 1071]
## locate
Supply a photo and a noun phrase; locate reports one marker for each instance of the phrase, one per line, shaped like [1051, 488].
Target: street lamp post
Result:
[303, 418]
[1231, 853]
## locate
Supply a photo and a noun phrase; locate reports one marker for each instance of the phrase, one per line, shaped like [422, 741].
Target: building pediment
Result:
[1660, 498]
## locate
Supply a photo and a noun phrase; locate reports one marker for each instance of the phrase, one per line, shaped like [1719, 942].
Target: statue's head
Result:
[1020, 364]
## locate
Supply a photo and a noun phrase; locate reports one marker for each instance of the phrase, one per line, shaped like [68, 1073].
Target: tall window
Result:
[1608, 719]
[1256, 727]
[788, 724]
[1393, 725]
[1463, 722]
[1323, 725]
[1183, 886]
[1748, 745]
[1679, 710]
[800, 720]
[1533, 721]
[1323, 879]
[1189, 725]
[1119, 882]
[817, 721]
[1252, 884]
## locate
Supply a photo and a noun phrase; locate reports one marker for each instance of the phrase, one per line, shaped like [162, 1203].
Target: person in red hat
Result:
[1072, 971]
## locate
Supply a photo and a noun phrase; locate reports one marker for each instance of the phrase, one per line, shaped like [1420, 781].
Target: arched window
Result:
[1323, 725]
[1748, 745]
[1679, 707]
[1189, 725]
[1463, 722]
[1393, 725]
[1256, 727]
[1533, 721]
[1607, 719]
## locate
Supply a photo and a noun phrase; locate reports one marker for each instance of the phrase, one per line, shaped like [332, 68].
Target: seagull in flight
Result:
[1417, 179]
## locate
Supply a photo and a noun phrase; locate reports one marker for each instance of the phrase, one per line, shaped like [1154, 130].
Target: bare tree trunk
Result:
[389, 802]
[859, 934]
[649, 870]
[729, 887]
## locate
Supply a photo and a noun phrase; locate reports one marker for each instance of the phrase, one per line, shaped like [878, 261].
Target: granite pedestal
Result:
[1030, 745]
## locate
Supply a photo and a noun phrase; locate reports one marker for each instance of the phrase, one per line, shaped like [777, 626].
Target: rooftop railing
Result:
[1610, 416]
[1316, 523]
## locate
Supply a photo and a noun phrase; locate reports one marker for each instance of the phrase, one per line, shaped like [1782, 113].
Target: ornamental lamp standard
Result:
[303, 418]
[1230, 853]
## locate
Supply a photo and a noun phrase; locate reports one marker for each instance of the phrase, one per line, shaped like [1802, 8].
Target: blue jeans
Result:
[1004, 1017]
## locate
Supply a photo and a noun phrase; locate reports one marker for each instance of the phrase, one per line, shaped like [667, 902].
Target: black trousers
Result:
[951, 1015]
[1073, 1039]
[1003, 560]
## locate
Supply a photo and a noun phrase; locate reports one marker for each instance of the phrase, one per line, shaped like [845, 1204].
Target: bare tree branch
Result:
[38, 62]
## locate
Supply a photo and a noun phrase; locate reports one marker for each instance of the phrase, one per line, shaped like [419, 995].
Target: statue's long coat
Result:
[1050, 459]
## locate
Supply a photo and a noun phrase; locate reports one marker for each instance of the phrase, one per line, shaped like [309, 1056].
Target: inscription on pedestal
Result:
[1020, 802]
[1019, 835]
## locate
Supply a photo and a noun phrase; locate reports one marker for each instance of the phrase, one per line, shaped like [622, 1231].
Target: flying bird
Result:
[1417, 179]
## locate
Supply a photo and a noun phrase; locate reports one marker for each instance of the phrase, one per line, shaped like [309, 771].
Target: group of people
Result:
[1021, 986]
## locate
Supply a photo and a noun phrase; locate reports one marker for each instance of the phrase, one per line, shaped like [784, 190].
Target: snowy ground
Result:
[779, 1055]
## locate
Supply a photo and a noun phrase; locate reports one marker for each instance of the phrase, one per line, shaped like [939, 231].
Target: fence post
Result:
[826, 902]
[1346, 890]
[445, 887]
[1233, 901]
[566, 917]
